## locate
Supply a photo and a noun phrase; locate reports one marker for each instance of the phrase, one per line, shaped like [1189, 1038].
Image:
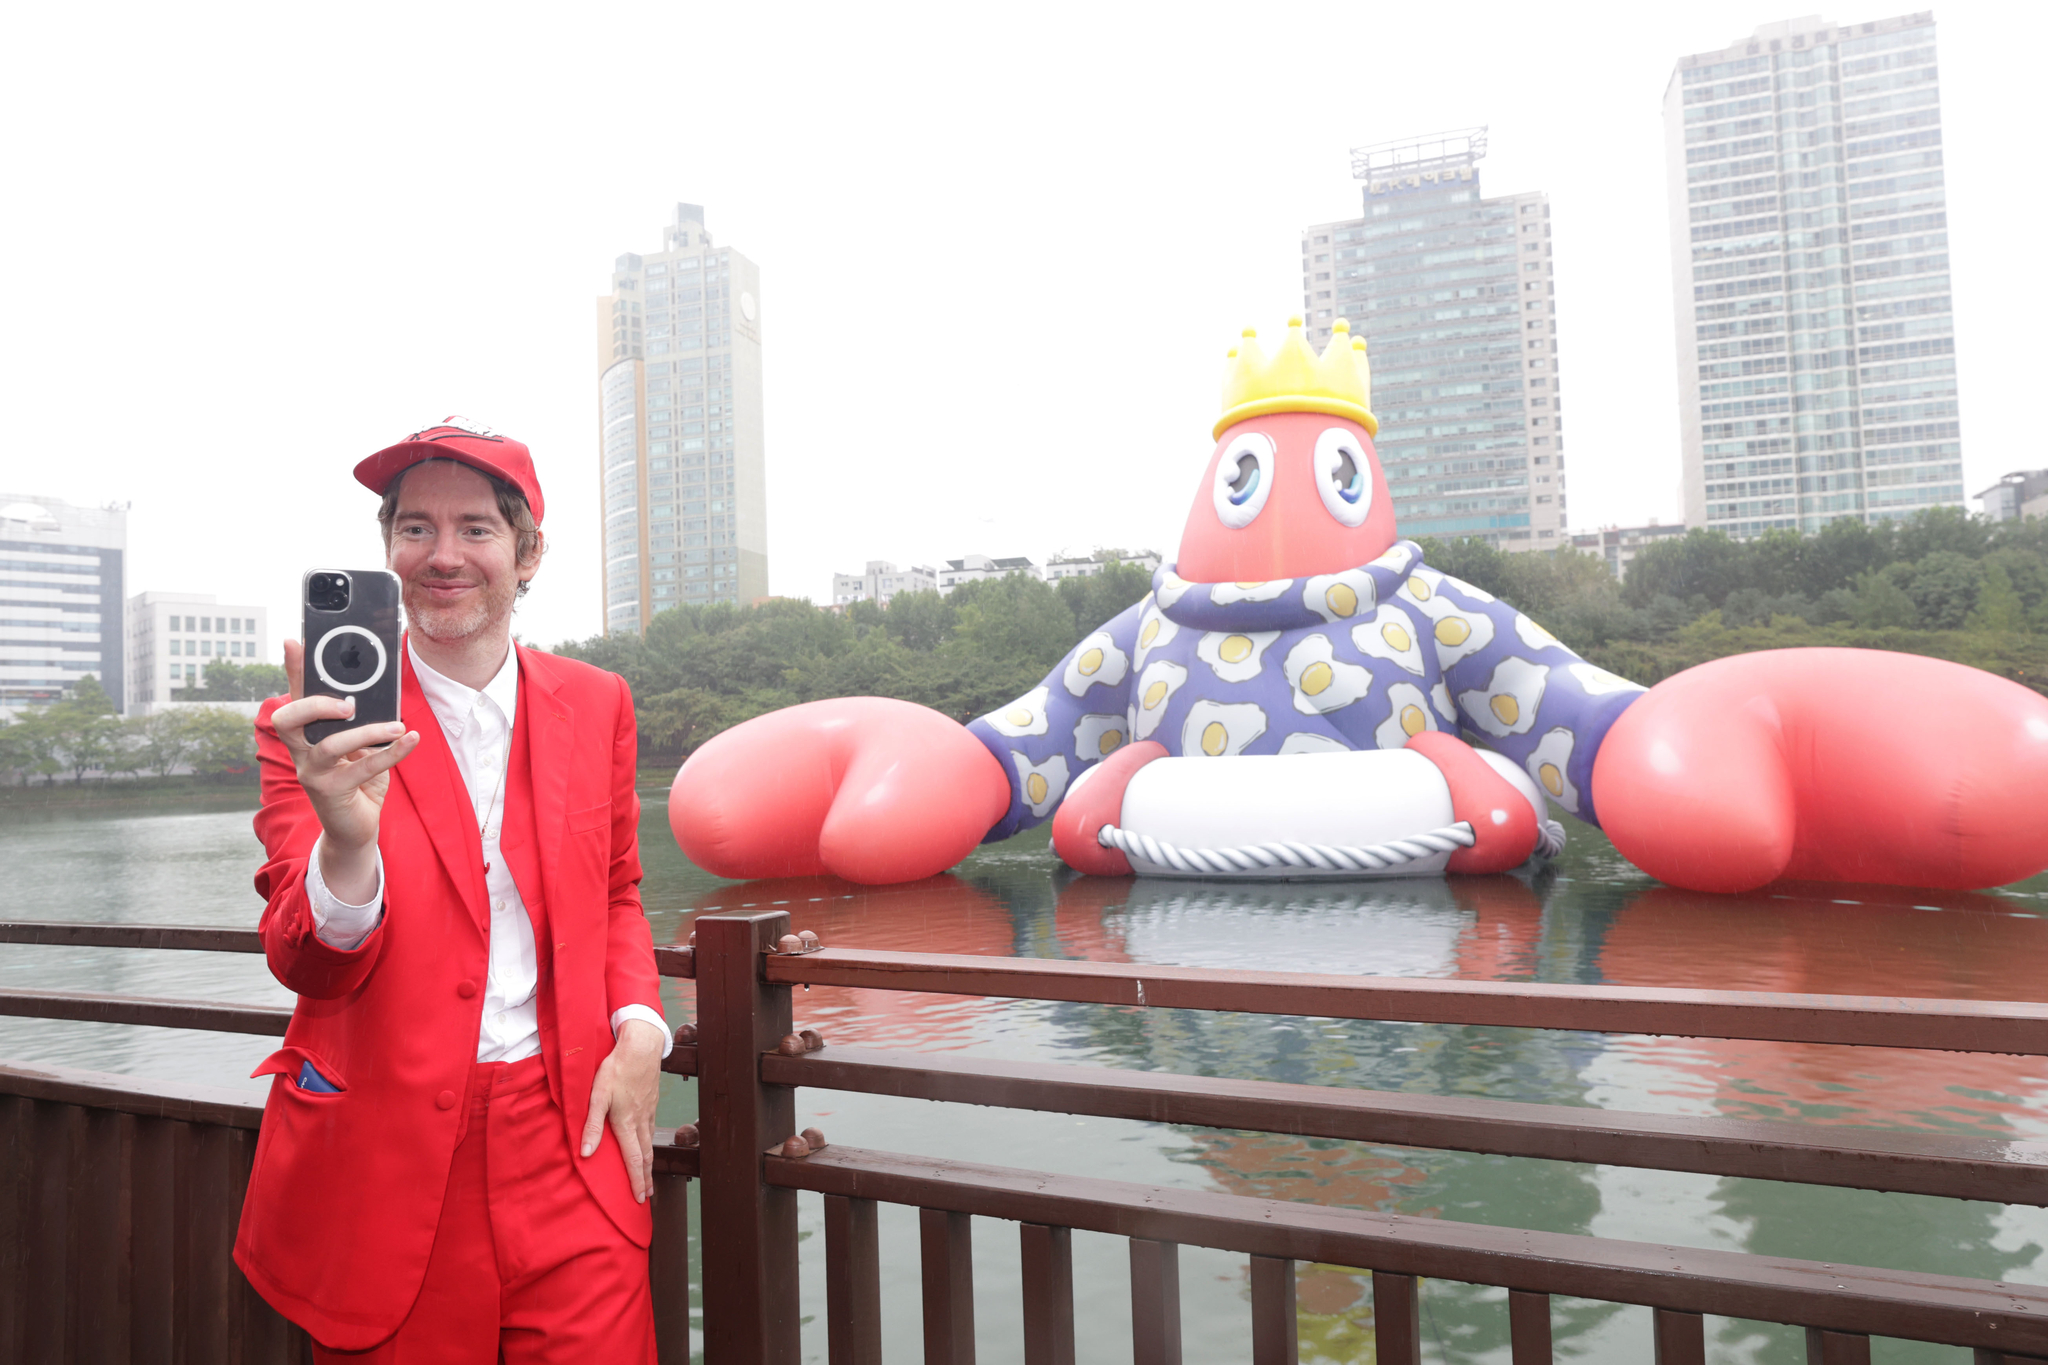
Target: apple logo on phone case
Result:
[349, 659]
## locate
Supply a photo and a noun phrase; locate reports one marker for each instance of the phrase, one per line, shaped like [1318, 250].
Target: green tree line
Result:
[81, 735]
[1942, 583]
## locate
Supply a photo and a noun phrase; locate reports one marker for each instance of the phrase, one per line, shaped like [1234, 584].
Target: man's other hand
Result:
[627, 1089]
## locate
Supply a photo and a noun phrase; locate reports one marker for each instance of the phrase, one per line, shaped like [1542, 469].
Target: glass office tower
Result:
[1809, 248]
[679, 428]
[1454, 295]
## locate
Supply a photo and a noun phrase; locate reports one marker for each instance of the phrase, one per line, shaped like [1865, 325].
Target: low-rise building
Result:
[1619, 545]
[969, 568]
[60, 599]
[172, 636]
[881, 581]
[2016, 496]
[1066, 566]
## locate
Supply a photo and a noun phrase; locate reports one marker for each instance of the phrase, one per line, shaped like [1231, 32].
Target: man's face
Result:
[454, 552]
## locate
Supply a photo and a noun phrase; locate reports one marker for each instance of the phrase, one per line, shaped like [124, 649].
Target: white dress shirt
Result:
[478, 726]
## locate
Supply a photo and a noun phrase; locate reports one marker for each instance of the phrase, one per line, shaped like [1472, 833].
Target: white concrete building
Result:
[1810, 274]
[2017, 496]
[1060, 567]
[60, 599]
[172, 636]
[881, 581]
[1619, 545]
[969, 568]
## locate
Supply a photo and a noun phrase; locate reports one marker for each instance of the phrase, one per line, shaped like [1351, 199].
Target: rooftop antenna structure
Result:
[1411, 155]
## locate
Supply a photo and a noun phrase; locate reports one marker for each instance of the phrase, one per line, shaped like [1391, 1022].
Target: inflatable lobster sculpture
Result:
[1301, 695]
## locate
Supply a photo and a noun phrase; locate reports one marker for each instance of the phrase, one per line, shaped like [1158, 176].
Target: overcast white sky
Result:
[1003, 250]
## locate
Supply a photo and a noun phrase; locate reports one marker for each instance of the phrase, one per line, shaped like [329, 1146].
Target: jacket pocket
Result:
[288, 1062]
[596, 817]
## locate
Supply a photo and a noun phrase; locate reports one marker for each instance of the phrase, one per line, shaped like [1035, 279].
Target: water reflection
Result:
[1591, 919]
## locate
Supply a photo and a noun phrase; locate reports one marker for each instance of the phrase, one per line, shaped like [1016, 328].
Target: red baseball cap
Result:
[456, 438]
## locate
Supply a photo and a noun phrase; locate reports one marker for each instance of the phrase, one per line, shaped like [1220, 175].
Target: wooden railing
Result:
[78, 1245]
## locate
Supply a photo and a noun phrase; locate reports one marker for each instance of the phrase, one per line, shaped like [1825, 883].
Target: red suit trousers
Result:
[526, 1268]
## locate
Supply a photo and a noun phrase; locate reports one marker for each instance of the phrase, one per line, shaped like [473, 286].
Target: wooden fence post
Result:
[751, 1310]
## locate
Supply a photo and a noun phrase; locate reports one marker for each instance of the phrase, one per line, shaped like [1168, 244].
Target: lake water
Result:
[1591, 918]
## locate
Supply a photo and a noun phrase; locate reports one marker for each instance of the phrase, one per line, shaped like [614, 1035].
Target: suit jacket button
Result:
[446, 1099]
[466, 989]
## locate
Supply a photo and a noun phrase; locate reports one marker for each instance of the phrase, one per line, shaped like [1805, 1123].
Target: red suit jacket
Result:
[346, 1189]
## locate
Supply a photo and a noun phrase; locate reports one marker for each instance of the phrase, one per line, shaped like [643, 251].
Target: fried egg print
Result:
[1598, 682]
[1508, 704]
[1462, 588]
[1408, 718]
[1156, 686]
[1223, 594]
[1172, 587]
[1440, 698]
[1235, 656]
[1395, 560]
[1390, 635]
[1320, 682]
[1455, 631]
[1095, 662]
[1340, 596]
[1099, 736]
[1043, 784]
[1217, 729]
[1307, 742]
[1548, 764]
[1024, 716]
[1533, 635]
[1154, 630]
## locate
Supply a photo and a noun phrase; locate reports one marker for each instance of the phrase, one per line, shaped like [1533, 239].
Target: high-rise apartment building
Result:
[60, 599]
[679, 427]
[1809, 252]
[173, 636]
[1453, 293]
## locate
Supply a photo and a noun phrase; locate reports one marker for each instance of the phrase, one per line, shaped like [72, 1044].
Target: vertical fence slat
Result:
[668, 1269]
[946, 1241]
[1836, 1348]
[153, 1246]
[1528, 1327]
[853, 1282]
[751, 1306]
[1273, 1312]
[101, 1212]
[1048, 1255]
[16, 1116]
[49, 1231]
[1681, 1338]
[1396, 1319]
[207, 1306]
[1155, 1302]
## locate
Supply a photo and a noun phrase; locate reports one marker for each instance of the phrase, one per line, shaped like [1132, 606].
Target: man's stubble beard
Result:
[450, 625]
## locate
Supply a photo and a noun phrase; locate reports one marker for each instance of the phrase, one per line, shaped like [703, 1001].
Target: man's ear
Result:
[540, 547]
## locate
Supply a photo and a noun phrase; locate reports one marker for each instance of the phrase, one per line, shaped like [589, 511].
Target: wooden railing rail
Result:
[1951, 1165]
[750, 1070]
[1996, 1026]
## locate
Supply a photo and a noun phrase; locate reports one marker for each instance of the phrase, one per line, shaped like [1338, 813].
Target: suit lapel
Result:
[435, 785]
[550, 749]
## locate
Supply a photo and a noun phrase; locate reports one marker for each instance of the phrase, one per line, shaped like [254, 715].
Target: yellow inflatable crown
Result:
[1296, 380]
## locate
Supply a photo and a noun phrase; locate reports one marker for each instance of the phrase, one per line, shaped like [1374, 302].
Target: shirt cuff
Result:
[625, 1012]
[338, 924]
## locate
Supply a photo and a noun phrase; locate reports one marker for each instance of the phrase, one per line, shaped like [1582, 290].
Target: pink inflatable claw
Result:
[867, 788]
[1836, 765]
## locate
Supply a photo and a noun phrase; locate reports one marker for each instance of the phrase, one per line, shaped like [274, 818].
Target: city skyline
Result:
[1810, 272]
[972, 358]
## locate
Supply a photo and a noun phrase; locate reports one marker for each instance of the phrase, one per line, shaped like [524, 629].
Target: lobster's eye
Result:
[1244, 479]
[1343, 476]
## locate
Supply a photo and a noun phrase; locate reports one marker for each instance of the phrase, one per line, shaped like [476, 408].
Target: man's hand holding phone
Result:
[344, 776]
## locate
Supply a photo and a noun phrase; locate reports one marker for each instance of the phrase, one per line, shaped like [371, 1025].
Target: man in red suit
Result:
[457, 1151]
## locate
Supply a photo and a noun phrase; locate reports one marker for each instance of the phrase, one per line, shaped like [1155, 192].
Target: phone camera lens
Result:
[328, 592]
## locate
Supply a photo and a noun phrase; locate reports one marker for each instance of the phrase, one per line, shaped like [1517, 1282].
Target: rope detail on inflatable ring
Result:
[1549, 838]
[1288, 854]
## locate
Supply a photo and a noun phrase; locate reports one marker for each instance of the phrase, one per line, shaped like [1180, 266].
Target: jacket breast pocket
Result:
[596, 817]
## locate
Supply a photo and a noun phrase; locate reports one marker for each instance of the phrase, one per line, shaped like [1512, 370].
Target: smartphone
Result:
[351, 635]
